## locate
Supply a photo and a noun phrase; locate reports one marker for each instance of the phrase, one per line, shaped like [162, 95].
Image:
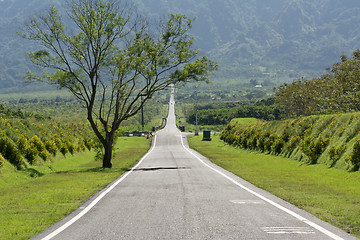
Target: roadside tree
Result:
[112, 60]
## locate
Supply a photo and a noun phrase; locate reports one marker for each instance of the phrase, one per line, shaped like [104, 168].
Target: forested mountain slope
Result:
[275, 40]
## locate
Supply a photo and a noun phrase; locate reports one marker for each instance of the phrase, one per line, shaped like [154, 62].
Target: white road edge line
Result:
[312, 224]
[96, 200]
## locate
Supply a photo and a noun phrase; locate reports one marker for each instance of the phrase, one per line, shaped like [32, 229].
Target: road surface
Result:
[175, 193]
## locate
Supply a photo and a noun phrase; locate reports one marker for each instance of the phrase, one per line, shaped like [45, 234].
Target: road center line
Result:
[292, 213]
[96, 200]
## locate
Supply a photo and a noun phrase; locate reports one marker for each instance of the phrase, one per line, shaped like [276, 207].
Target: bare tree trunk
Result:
[107, 153]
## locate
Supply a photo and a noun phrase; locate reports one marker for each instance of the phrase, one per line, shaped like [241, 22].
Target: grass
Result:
[243, 120]
[33, 199]
[331, 194]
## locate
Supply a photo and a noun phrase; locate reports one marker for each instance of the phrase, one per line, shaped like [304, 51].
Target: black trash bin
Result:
[206, 135]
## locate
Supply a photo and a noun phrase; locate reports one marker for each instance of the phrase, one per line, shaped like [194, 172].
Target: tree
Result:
[346, 79]
[337, 91]
[111, 61]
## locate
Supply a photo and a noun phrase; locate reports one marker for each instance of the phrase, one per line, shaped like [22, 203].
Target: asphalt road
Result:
[175, 193]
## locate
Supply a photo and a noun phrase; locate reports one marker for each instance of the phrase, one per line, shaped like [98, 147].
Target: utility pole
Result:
[196, 125]
[196, 118]
[142, 116]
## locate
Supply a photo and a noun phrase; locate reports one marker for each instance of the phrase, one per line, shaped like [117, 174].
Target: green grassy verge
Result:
[243, 120]
[33, 199]
[331, 194]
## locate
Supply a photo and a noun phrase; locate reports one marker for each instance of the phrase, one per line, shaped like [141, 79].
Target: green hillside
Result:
[333, 140]
[274, 41]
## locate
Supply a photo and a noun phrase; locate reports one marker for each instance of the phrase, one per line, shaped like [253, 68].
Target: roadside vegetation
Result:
[48, 163]
[333, 140]
[28, 139]
[292, 123]
[301, 144]
[328, 193]
[337, 91]
[34, 198]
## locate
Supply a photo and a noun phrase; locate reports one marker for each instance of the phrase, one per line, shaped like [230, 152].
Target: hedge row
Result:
[333, 140]
[24, 142]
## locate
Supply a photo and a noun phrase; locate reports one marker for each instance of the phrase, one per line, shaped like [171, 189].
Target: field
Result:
[331, 194]
[34, 198]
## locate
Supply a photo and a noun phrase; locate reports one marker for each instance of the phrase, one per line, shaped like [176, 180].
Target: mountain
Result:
[276, 40]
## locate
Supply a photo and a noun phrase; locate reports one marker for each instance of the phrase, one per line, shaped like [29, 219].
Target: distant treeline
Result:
[217, 114]
[337, 91]
[10, 113]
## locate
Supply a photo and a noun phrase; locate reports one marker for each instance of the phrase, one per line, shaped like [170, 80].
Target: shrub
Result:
[292, 144]
[80, 147]
[261, 143]
[38, 144]
[10, 152]
[88, 143]
[2, 161]
[59, 144]
[71, 148]
[22, 143]
[30, 154]
[335, 153]
[313, 148]
[44, 155]
[51, 147]
[278, 146]
[286, 135]
[269, 143]
[64, 150]
[244, 142]
[253, 142]
[355, 156]
[234, 140]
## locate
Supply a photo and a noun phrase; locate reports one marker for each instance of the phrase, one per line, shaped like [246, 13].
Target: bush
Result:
[38, 144]
[88, 143]
[278, 146]
[71, 148]
[51, 147]
[81, 147]
[10, 152]
[355, 156]
[2, 161]
[268, 144]
[22, 143]
[253, 142]
[335, 153]
[292, 144]
[30, 154]
[313, 148]
[58, 143]
[261, 143]
[64, 150]
[44, 155]
[243, 142]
